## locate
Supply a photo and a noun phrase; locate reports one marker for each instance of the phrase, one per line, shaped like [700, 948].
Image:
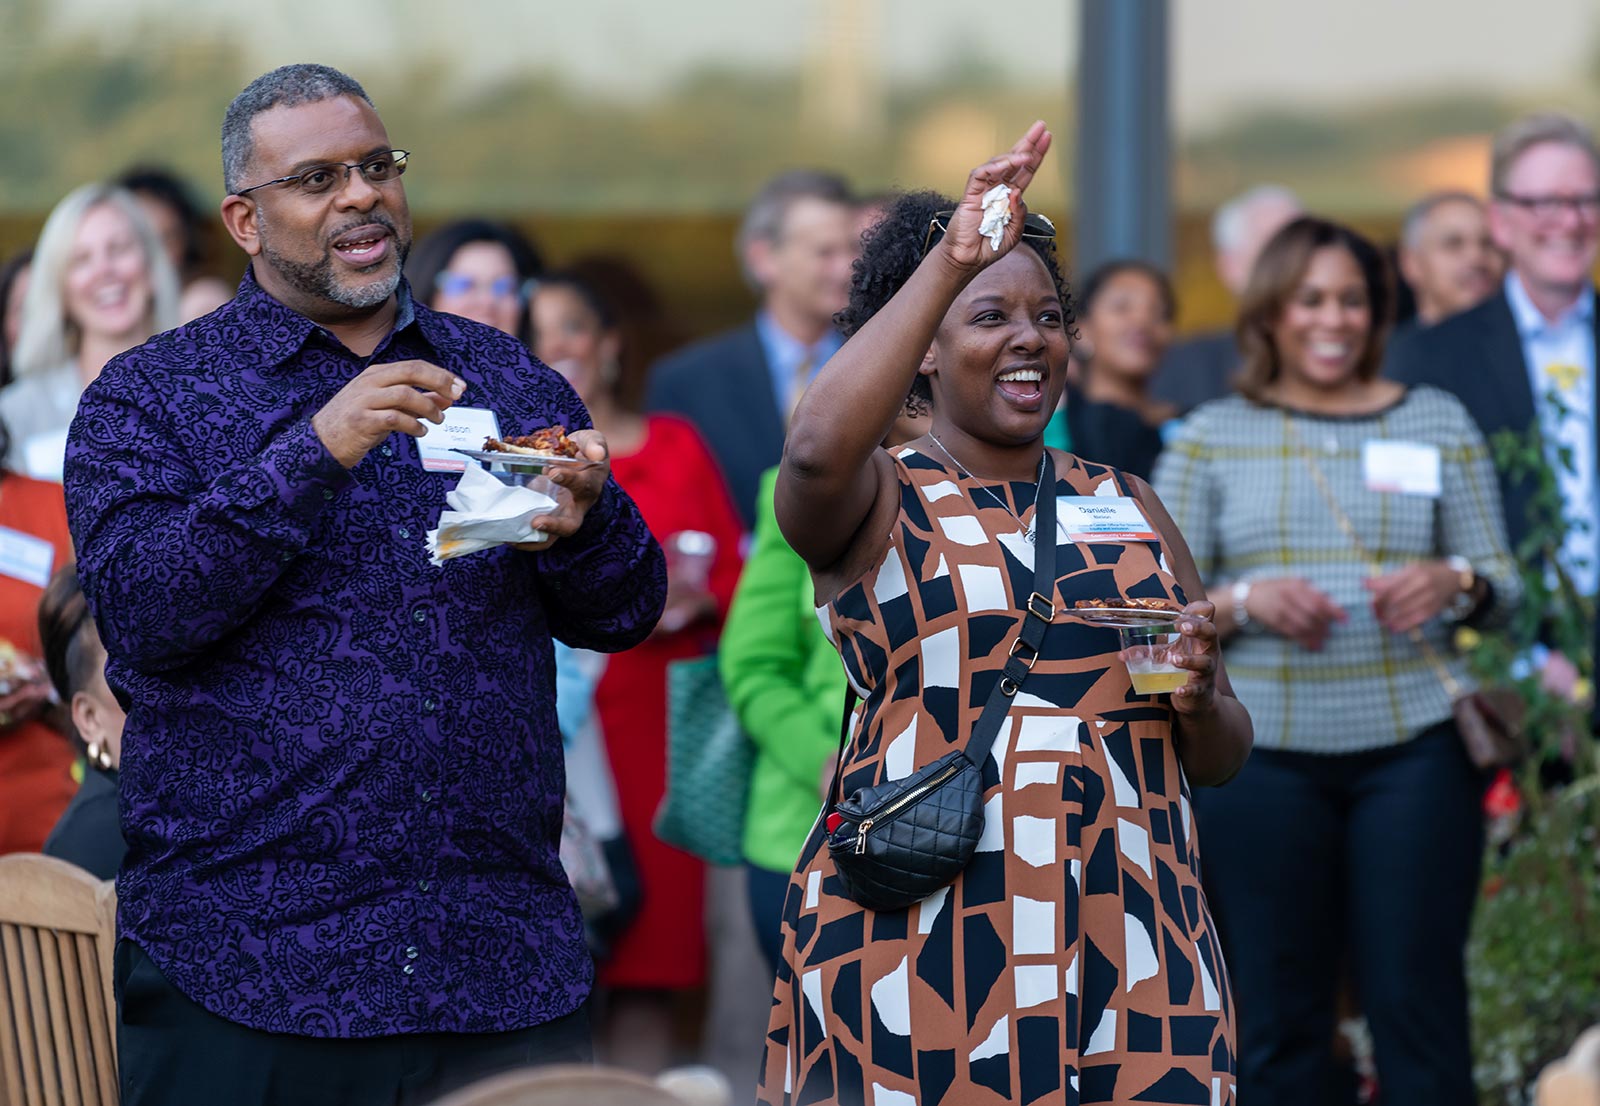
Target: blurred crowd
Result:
[1480, 318]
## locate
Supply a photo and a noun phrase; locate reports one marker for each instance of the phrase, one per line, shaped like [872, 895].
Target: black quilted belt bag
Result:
[894, 844]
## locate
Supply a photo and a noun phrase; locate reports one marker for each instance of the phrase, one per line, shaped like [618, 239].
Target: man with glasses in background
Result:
[341, 775]
[1525, 357]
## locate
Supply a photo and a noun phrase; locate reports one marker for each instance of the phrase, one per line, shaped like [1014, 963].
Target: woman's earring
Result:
[98, 756]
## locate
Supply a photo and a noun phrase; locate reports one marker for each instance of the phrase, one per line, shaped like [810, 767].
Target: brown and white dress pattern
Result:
[1075, 959]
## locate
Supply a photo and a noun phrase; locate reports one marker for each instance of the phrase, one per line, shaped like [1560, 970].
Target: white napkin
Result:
[996, 214]
[485, 513]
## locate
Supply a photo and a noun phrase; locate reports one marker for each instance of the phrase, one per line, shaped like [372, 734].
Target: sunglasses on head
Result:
[1034, 226]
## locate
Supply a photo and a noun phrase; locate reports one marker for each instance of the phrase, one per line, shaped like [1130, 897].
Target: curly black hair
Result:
[891, 251]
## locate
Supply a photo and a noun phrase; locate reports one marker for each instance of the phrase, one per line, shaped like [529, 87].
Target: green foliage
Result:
[1534, 955]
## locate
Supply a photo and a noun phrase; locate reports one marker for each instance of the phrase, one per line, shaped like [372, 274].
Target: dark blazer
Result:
[724, 386]
[1478, 356]
[89, 833]
[1197, 371]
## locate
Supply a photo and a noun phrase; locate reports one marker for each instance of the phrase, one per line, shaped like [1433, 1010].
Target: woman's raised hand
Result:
[962, 244]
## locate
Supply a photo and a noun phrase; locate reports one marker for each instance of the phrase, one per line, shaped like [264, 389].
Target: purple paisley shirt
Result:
[341, 776]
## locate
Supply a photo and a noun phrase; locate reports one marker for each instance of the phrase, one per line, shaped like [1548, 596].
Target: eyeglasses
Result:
[319, 179]
[1546, 207]
[1034, 226]
[459, 284]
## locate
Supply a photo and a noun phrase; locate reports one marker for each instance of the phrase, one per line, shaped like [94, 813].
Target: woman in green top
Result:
[783, 679]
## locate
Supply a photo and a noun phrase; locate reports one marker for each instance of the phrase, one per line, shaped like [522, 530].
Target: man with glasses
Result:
[341, 775]
[1525, 357]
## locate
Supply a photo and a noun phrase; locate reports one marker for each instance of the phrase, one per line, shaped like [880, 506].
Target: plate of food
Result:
[1118, 613]
[530, 453]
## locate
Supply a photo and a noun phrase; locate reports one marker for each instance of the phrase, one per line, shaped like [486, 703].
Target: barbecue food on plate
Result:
[1127, 605]
[552, 441]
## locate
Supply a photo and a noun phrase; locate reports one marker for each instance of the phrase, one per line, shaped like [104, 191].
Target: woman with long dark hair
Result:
[1345, 524]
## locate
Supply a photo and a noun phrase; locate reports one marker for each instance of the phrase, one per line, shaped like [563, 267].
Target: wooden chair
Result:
[57, 1016]
[563, 1085]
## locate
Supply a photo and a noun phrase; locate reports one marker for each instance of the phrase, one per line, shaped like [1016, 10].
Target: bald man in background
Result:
[1203, 367]
[1448, 256]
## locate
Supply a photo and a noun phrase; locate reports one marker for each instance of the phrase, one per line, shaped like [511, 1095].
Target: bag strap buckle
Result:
[1017, 646]
[1041, 608]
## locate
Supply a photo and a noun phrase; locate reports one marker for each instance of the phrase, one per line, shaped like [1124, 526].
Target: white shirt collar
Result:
[1531, 321]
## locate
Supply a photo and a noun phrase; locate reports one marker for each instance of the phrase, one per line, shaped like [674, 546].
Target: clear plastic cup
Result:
[1149, 651]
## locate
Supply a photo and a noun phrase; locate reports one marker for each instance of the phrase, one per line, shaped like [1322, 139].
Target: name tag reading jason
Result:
[463, 428]
[25, 557]
[1103, 518]
[1403, 468]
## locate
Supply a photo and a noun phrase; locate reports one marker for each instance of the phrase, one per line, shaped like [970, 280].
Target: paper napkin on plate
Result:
[485, 513]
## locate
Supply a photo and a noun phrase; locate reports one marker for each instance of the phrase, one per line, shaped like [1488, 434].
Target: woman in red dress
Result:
[35, 759]
[665, 467]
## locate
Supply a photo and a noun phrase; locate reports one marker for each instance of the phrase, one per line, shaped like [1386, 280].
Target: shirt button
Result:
[427, 796]
[419, 616]
[404, 533]
[411, 952]
[327, 493]
[409, 969]
[386, 451]
[423, 885]
[429, 706]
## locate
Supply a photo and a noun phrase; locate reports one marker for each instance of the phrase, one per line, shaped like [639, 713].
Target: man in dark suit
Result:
[796, 245]
[1525, 357]
[1202, 367]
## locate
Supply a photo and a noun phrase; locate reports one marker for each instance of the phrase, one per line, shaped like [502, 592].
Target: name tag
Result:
[1403, 468]
[463, 428]
[25, 557]
[1103, 518]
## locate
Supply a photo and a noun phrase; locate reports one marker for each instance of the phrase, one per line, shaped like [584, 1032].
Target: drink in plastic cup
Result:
[1148, 651]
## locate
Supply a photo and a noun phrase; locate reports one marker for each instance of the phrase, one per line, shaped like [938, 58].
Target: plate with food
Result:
[530, 453]
[1118, 613]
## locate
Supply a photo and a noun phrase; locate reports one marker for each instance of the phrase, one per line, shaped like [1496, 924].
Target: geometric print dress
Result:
[1074, 960]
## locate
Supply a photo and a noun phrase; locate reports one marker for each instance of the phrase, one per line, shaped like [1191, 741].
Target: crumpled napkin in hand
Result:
[996, 214]
[485, 513]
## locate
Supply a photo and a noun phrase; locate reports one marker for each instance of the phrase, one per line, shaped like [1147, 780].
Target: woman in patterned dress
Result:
[1074, 959]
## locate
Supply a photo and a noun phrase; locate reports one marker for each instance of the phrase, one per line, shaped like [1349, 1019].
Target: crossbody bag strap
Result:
[1452, 686]
[1041, 612]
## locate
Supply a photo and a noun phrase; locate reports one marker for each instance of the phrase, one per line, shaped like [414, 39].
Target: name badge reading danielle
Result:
[463, 428]
[1103, 518]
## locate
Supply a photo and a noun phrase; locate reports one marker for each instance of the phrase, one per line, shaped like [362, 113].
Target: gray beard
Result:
[317, 278]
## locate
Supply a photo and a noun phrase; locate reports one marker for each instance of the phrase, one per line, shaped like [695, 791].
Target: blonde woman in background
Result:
[100, 284]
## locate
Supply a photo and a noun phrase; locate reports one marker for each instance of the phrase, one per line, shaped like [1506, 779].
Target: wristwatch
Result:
[1241, 596]
[1467, 583]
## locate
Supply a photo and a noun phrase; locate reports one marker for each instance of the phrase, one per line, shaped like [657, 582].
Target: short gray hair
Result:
[49, 337]
[1518, 137]
[763, 219]
[1228, 224]
[1417, 213]
[286, 86]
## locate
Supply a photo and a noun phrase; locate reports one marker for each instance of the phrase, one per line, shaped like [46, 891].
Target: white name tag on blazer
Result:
[1103, 518]
[1404, 468]
[25, 557]
[463, 428]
